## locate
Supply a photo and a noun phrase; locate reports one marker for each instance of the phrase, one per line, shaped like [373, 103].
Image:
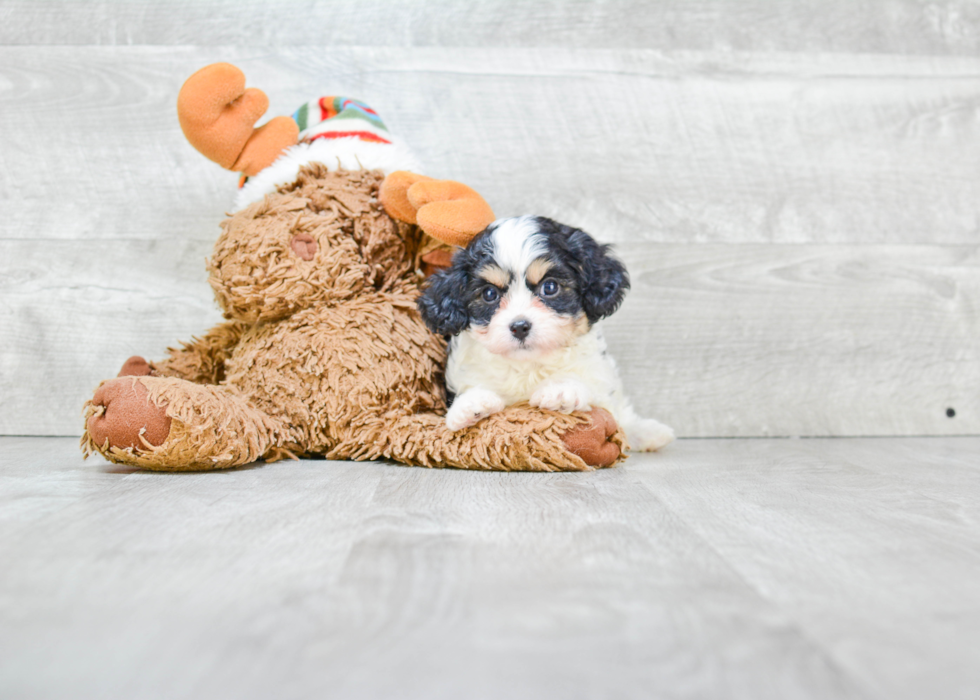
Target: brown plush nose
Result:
[303, 245]
[520, 328]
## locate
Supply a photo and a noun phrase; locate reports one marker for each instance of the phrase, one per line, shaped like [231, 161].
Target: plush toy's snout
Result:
[304, 246]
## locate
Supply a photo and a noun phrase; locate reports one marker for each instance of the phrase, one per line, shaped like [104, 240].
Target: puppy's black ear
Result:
[442, 304]
[604, 279]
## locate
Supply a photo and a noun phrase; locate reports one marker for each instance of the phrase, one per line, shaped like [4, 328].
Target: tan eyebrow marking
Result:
[495, 275]
[537, 270]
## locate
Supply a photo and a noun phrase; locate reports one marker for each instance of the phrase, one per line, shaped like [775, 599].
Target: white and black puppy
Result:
[520, 304]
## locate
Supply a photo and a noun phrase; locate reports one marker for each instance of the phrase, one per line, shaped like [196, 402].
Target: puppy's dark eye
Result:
[490, 294]
[549, 288]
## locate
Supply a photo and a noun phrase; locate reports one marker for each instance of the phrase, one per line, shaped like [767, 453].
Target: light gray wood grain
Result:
[714, 340]
[802, 340]
[890, 525]
[73, 311]
[635, 145]
[882, 26]
[724, 569]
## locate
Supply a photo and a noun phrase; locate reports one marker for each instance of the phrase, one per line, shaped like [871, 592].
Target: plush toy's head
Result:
[317, 219]
[323, 239]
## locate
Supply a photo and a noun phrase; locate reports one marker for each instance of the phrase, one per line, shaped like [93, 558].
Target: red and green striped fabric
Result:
[335, 116]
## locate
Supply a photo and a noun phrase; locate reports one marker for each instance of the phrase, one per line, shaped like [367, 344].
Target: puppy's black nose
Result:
[520, 328]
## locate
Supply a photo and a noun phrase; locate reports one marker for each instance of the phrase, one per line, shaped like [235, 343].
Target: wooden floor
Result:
[825, 568]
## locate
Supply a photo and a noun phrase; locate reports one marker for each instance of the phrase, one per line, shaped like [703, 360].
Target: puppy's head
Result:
[525, 287]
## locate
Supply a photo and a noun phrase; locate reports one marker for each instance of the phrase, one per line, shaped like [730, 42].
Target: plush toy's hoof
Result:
[135, 366]
[127, 413]
[591, 442]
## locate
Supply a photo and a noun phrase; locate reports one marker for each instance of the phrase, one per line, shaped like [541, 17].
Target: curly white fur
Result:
[573, 378]
[347, 153]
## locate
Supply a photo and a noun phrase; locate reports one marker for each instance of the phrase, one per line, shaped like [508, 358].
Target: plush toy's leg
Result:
[517, 438]
[172, 424]
[201, 361]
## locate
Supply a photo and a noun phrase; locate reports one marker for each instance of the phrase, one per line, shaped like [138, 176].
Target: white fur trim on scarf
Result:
[347, 153]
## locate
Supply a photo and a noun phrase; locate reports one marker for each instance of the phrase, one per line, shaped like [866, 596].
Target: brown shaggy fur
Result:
[326, 356]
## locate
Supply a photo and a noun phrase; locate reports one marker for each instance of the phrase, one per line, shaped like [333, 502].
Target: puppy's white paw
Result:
[471, 406]
[648, 435]
[563, 396]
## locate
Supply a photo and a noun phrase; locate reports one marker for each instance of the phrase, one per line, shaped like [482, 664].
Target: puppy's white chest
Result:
[471, 365]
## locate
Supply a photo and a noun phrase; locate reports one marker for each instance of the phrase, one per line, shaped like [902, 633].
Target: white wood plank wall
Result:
[795, 186]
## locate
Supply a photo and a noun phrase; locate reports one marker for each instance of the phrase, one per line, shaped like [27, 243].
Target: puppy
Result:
[520, 304]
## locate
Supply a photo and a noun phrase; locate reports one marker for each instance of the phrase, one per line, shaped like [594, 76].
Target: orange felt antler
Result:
[446, 210]
[218, 114]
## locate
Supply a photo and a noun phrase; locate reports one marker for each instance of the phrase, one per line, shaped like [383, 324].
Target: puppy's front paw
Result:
[563, 396]
[472, 406]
